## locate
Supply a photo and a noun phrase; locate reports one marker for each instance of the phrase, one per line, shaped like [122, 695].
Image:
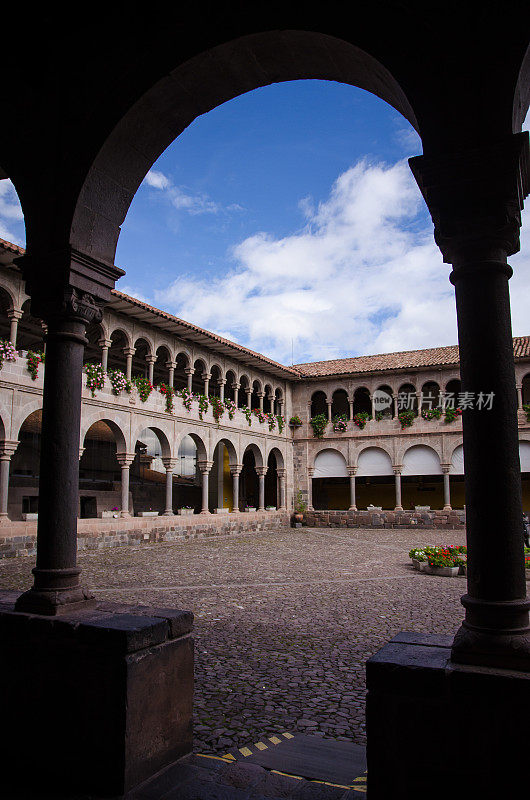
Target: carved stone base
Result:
[101, 699]
[55, 603]
[436, 729]
[492, 649]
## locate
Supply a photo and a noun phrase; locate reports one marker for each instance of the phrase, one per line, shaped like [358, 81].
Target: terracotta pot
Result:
[298, 517]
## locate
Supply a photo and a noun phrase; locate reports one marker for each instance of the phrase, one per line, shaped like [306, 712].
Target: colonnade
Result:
[397, 470]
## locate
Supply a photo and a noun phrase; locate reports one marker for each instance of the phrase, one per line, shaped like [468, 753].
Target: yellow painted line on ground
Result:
[287, 775]
[355, 780]
[274, 739]
[261, 746]
[217, 758]
[336, 785]
[229, 757]
[245, 751]
[288, 735]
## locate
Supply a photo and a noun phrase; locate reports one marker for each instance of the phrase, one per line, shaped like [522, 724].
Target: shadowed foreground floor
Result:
[284, 622]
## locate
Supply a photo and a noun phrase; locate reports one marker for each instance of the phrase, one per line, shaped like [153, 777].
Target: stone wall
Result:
[385, 519]
[20, 538]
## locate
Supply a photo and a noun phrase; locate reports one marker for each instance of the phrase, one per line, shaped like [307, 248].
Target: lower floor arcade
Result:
[421, 481]
[147, 476]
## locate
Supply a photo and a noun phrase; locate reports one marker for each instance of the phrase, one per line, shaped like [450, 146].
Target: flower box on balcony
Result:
[422, 508]
[184, 512]
[249, 508]
[148, 513]
[221, 511]
[109, 514]
[30, 517]
[270, 508]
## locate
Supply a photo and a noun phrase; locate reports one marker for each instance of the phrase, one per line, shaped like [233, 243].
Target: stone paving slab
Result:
[284, 620]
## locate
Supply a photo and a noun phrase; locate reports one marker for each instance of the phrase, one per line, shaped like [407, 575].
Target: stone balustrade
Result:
[15, 375]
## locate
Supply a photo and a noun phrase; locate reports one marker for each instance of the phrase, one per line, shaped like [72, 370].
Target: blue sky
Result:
[287, 219]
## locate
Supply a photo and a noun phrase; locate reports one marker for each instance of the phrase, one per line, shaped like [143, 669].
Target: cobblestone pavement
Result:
[284, 621]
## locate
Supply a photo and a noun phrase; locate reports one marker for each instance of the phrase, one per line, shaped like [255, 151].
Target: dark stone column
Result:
[68, 290]
[56, 583]
[475, 200]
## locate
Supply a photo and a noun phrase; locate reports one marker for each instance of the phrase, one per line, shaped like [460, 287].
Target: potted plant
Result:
[300, 507]
[406, 418]
[295, 422]
[114, 513]
[361, 419]
[185, 510]
[318, 423]
[340, 423]
[452, 413]
[249, 508]
[149, 513]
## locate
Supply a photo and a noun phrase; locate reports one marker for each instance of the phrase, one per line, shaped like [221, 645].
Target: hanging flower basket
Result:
[144, 387]
[7, 351]
[169, 394]
[33, 359]
[295, 422]
[340, 423]
[361, 419]
[231, 408]
[95, 377]
[118, 382]
[406, 418]
[318, 423]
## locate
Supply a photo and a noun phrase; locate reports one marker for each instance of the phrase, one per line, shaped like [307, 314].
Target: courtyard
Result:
[284, 621]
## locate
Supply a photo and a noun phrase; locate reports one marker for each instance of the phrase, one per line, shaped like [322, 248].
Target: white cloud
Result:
[362, 276]
[179, 198]
[10, 213]
[133, 292]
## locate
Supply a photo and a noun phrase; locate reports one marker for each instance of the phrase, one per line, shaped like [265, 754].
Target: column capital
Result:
[171, 365]
[8, 448]
[397, 469]
[446, 468]
[352, 471]
[281, 473]
[261, 471]
[236, 469]
[475, 197]
[310, 471]
[236, 386]
[14, 313]
[129, 351]
[125, 459]
[260, 394]
[105, 342]
[206, 376]
[81, 451]
[221, 382]
[205, 466]
[170, 463]
[150, 359]
[189, 371]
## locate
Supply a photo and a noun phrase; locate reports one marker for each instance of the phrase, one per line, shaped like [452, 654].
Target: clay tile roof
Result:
[203, 332]
[183, 327]
[12, 248]
[408, 359]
